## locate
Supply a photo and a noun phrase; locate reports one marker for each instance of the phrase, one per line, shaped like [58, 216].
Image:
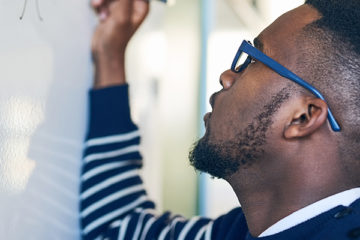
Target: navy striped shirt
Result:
[114, 203]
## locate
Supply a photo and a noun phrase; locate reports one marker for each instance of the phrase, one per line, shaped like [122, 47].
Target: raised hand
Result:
[119, 20]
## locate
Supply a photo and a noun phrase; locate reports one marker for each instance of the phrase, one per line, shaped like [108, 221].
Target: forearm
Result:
[111, 187]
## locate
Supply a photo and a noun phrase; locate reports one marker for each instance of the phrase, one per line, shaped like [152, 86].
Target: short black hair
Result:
[342, 17]
[330, 60]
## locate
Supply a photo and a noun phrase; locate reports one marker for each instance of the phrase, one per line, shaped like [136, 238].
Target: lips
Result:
[206, 118]
[212, 103]
[213, 98]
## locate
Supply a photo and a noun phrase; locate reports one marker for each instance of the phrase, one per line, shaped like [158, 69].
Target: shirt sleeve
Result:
[113, 201]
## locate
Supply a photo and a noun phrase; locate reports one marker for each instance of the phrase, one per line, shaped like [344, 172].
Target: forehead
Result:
[279, 39]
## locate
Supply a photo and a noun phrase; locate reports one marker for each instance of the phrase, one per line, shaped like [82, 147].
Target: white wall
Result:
[163, 71]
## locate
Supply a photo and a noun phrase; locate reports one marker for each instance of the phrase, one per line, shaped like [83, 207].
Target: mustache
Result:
[213, 98]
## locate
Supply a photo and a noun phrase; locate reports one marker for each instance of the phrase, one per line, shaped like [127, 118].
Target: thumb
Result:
[141, 9]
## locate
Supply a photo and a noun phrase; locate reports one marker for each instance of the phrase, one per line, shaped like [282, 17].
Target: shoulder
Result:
[230, 225]
[343, 224]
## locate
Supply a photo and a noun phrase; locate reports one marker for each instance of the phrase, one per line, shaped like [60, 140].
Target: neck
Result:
[267, 199]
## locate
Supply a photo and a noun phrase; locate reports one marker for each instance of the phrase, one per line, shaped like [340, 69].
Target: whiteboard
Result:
[45, 72]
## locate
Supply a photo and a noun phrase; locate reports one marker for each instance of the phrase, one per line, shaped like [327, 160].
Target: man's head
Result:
[260, 118]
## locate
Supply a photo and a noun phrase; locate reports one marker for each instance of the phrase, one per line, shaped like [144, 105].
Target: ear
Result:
[309, 116]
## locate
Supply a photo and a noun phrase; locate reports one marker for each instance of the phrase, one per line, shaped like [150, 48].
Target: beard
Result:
[221, 159]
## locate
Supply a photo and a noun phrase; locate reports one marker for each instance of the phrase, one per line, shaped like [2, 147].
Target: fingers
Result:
[101, 7]
[96, 3]
[133, 10]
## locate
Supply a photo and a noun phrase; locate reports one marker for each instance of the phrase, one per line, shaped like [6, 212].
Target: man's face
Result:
[243, 111]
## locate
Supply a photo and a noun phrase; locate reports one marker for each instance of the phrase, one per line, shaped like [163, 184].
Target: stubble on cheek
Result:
[221, 159]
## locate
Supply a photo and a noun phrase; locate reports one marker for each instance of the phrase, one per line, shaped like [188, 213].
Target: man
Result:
[289, 150]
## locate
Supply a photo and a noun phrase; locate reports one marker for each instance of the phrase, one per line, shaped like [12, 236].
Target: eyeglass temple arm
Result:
[284, 72]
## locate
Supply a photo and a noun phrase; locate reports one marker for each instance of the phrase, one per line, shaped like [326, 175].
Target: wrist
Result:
[109, 71]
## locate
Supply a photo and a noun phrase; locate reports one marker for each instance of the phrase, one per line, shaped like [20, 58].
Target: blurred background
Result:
[174, 63]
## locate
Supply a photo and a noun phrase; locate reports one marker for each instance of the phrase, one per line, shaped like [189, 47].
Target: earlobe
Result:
[307, 119]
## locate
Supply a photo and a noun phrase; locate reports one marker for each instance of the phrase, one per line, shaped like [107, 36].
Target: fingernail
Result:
[96, 2]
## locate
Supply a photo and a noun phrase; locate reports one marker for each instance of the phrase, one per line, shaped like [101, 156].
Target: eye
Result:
[243, 62]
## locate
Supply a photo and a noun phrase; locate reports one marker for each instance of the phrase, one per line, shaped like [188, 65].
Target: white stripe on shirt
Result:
[120, 194]
[139, 224]
[112, 139]
[103, 168]
[209, 231]
[123, 227]
[109, 182]
[187, 228]
[166, 230]
[111, 154]
[114, 214]
[147, 228]
[201, 232]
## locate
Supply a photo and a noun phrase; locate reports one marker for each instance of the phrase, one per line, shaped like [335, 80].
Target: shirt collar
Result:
[344, 198]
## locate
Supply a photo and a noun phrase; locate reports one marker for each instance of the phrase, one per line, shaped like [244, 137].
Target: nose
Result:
[227, 79]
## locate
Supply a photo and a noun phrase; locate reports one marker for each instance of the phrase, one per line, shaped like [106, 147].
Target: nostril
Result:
[221, 82]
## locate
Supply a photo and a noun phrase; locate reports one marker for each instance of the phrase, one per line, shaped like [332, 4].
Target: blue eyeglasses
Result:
[254, 53]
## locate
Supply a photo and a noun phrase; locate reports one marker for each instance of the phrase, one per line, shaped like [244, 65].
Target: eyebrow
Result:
[258, 44]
